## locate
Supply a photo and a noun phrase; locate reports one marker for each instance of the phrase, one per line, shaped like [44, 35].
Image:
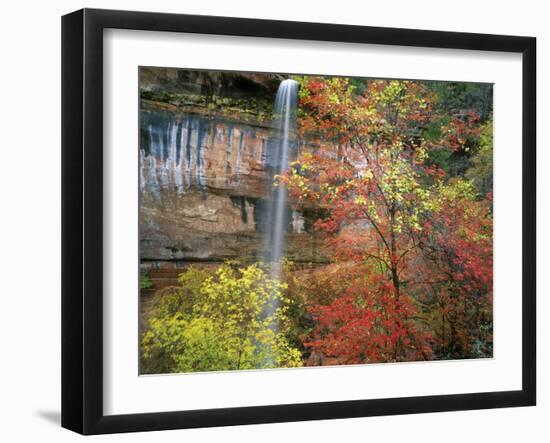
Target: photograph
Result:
[302, 220]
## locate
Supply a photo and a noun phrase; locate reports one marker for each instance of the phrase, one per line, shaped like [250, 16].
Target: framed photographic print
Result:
[270, 221]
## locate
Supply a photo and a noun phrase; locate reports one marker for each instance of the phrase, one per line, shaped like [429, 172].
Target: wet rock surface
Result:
[204, 181]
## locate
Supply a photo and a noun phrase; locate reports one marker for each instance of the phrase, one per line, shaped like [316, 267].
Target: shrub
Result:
[235, 318]
[145, 281]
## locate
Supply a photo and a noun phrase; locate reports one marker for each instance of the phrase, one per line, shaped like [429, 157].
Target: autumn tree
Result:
[455, 286]
[373, 178]
[234, 319]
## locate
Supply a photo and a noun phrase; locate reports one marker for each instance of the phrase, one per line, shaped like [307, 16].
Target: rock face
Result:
[256, 86]
[204, 179]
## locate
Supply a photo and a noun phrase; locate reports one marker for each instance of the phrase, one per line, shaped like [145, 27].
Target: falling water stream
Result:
[281, 148]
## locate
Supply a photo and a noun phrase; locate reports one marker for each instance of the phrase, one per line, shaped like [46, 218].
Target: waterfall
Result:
[281, 149]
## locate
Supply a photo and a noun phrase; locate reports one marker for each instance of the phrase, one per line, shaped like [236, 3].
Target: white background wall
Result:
[30, 219]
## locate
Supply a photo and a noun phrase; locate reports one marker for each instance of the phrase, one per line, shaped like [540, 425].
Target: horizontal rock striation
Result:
[204, 178]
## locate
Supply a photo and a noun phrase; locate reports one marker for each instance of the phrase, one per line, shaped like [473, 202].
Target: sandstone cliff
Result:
[204, 169]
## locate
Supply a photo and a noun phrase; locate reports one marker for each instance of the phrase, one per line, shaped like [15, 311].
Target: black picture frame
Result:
[82, 218]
